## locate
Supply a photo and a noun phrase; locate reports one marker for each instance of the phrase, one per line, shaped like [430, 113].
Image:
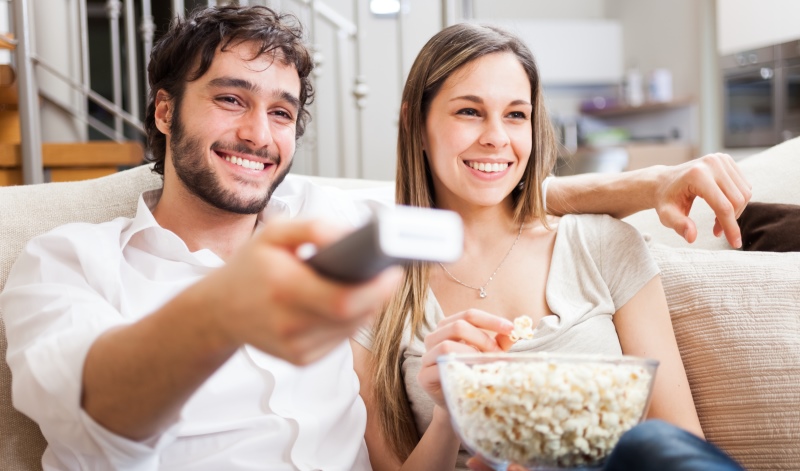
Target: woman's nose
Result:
[494, 133]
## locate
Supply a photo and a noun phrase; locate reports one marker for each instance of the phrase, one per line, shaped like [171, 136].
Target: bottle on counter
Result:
[634, 87]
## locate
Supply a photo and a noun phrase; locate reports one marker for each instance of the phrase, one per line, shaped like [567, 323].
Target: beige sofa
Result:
[736, 314]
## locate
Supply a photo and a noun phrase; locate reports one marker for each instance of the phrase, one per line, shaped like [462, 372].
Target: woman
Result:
[475, 138]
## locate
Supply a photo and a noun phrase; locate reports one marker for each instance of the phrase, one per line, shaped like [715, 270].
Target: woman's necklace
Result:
[482, 289]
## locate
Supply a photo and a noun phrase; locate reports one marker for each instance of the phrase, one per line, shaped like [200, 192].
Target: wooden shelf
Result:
[619, 111]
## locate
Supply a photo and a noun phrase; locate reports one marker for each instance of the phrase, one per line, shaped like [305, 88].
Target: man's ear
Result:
[163, 114]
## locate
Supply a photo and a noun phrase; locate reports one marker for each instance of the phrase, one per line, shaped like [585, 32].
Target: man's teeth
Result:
[245, 163]
[488, 167]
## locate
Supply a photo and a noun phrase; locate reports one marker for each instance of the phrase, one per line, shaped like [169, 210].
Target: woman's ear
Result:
[163, 114]
[404, 122]
[404, 115]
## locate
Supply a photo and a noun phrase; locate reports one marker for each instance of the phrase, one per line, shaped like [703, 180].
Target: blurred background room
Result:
[628, 83]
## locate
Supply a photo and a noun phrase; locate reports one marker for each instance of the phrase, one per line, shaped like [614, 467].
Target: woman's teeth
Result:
[245, 163]
[488, 167]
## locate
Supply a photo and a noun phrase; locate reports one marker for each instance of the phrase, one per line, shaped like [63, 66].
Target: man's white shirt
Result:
[256, 412]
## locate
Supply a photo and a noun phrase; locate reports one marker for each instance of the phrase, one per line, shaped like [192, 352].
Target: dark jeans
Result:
[655, 445]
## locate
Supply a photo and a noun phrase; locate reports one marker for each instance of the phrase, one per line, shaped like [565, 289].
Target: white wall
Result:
[747, 24]
[56, 40]
[659, 34]
[385, 74]
[540, 9]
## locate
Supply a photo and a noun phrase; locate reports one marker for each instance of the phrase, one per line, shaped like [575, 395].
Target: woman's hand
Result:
[469, 331]
[477, 464]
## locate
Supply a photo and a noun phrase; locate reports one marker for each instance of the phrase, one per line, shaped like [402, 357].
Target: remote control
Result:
[392, 236]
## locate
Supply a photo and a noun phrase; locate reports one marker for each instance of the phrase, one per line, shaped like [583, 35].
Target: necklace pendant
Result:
[483, 293]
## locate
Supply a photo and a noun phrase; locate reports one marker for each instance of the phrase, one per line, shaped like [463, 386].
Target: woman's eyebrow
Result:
[479, 100]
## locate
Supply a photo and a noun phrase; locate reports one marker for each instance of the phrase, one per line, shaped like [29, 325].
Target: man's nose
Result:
[255, 129]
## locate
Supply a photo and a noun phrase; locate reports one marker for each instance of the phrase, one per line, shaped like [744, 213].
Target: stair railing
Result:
[348, 40]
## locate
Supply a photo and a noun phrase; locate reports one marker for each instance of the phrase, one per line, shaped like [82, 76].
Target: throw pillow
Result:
[736, 317]
[770, 227]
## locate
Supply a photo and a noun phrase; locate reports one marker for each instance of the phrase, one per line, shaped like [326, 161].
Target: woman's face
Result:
[478, 133]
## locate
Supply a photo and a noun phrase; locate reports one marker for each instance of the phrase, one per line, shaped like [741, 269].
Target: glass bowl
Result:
[545, 410]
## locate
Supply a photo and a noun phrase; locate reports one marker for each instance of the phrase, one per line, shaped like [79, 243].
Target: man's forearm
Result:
[137, 378]
[619, 195]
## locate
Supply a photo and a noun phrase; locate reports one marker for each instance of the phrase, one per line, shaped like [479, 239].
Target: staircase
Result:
[61, 162]
[52, 88]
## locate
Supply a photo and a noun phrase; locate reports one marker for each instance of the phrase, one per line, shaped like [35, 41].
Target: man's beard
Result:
[201, 179]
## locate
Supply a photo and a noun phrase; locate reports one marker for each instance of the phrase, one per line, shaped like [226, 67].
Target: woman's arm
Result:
[671, 190]
[467, 331]
[438, 447]
[645, 330]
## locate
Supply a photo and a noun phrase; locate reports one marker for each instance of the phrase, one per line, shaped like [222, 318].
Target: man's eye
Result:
[468, 112]
[284, 114]
[231, 100]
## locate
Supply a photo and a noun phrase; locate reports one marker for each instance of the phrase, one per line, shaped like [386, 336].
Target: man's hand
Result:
[267, 297]
[717, 179]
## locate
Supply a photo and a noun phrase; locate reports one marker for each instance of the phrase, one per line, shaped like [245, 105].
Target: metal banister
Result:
[30, 132]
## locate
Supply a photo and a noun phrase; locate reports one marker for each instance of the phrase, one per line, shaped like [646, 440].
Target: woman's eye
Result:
[468, 112]
[518, 115]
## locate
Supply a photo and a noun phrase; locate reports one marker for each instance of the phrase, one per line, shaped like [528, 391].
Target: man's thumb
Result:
[680, 223]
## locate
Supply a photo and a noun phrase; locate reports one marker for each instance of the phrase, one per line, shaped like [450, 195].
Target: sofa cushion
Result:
[770, 227]
[774, 174]
[32, 210]
[737, 321]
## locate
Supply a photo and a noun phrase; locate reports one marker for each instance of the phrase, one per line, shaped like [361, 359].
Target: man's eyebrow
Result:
[479, 100]
[293, 100]
[233, 82]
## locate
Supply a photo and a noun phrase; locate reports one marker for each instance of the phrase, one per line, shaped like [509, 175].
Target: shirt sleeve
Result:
[625, 261]
[53, 313]
[365, 336]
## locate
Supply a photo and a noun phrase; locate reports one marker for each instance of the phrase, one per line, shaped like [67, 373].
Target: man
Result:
[192, 336]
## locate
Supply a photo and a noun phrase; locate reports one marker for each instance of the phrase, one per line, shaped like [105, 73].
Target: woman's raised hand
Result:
[468, 331]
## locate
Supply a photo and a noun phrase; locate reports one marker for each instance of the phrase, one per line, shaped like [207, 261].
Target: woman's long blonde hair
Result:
[446, 52]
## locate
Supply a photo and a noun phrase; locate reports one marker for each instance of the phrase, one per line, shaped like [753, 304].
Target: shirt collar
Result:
[145, 221]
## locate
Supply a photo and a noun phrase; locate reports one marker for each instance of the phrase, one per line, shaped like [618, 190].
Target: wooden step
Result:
[7, 75]
[8, 85]
[9, 126]
[5, 45]
[9, 97]
[78, 154]
[10, 176]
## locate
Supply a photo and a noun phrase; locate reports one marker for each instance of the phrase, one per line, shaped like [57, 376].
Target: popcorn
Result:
[523, 329]
[551, 413]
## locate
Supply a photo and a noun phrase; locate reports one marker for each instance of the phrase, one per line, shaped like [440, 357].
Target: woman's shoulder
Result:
[601, 224]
